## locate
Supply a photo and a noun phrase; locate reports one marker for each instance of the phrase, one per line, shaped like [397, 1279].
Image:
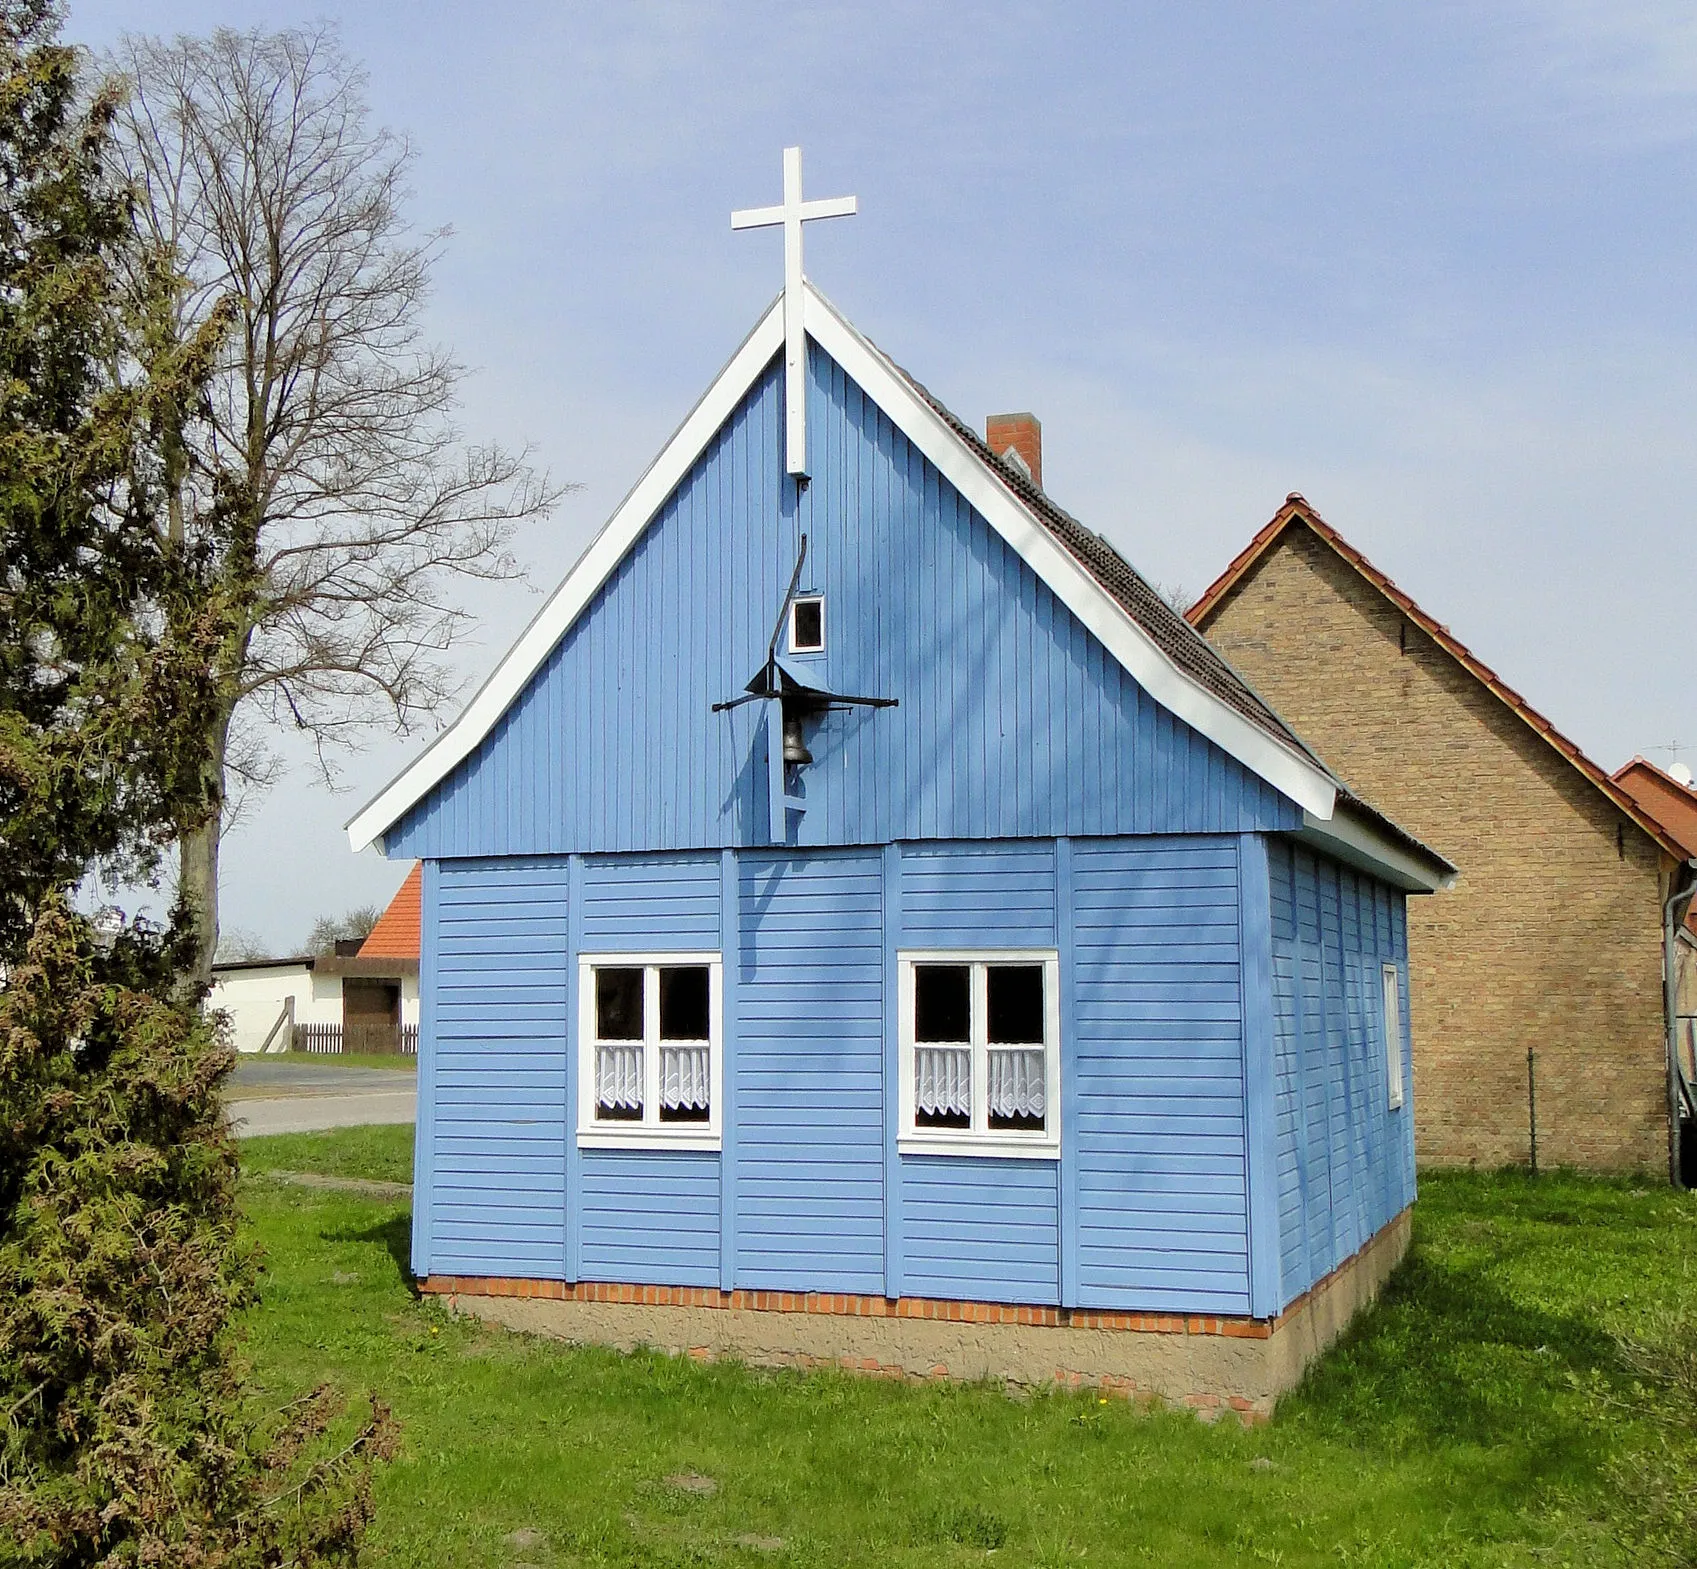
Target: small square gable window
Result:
[807, 624]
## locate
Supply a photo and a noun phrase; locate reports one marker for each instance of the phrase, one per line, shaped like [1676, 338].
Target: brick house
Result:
[1552, 938]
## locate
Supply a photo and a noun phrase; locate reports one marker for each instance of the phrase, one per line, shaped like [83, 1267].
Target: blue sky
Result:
[1433, 265]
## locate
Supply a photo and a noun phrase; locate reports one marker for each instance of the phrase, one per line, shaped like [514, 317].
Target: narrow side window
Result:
[1393, 1033]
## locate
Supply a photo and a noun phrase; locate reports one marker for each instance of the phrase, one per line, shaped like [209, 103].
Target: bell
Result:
[795, 749]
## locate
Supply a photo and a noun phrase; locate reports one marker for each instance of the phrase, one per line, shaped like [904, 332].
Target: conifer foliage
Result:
[125, 1433]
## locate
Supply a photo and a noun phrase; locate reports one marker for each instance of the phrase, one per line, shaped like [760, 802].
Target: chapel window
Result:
[650, 1065]
[980, 1053]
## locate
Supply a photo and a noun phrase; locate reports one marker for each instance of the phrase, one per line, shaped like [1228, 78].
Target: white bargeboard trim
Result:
[1287, 770]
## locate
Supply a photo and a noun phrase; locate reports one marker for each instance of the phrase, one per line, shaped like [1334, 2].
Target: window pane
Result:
[809, 624]
[1015, 1005]
[942, 1087]
[1017, 1091]
[683, 1002]
[942, 1002]
[685, 1092]
[1393, 1034]
[618, 1083]
[618, 1004]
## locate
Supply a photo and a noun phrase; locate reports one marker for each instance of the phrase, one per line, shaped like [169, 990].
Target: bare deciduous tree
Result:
[236, 943]
[328, 930]
[332, 418]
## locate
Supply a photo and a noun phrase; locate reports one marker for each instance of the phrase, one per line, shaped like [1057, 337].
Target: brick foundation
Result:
[1209, 1364]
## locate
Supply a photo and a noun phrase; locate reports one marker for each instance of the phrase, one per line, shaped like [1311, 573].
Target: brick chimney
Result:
[1022, 435]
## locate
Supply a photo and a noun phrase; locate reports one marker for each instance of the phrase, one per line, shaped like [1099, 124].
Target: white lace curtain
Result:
[1016, 1082]
[683, 1077]
[943, 1080]
[618, 1076]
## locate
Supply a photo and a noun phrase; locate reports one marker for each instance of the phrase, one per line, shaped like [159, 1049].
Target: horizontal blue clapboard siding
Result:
[980, 1227]
[1154, 1053]
[1345, 1161]
[809, 1149]
[1013, 721]
[988, 895]
[1162, 1213]
[498, 1069]
[987, 1230]
[657, 902]
[651, 1219]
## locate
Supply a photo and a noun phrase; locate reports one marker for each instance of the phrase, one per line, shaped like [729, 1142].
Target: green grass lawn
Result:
[1480, 1415]
[340, 1059]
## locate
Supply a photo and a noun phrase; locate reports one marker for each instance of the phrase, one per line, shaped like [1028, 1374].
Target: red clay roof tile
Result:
[395, 936]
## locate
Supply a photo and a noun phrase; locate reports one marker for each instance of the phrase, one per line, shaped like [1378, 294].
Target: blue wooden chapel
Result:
[920, 911]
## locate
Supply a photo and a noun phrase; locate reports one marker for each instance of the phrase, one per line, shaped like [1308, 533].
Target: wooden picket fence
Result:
[380, 1039]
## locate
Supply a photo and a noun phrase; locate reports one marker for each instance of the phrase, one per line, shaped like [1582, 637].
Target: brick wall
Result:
[1550, 938]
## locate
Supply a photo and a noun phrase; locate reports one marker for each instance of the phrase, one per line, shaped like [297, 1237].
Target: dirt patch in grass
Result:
[366, 1187]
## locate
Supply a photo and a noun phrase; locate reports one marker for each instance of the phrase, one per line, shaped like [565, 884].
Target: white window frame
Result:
[650, 1132]
[812, 648]
[1390, 1006]
[980, 1139]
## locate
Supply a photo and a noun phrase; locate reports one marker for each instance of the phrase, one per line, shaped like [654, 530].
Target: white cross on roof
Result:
[791, 215]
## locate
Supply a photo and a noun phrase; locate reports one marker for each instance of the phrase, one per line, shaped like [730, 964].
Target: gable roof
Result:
[1175, 637]
[1672, 804]
[395, 936]
[1174, 664]
[1297, 513]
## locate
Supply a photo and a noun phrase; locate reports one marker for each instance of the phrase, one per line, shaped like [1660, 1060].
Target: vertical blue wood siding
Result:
[497, 1077]
[1162, 1215]
[1345, 1160]
[810, 1073]
[1153, 1094]
[1014, 721]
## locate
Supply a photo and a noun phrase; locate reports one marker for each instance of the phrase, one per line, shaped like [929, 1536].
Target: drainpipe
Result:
[1683, 889]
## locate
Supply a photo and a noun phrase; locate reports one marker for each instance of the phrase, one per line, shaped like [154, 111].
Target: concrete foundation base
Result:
[1209, 1365]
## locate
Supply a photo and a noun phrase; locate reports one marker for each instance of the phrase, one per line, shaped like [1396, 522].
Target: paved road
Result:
[289, 1097]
